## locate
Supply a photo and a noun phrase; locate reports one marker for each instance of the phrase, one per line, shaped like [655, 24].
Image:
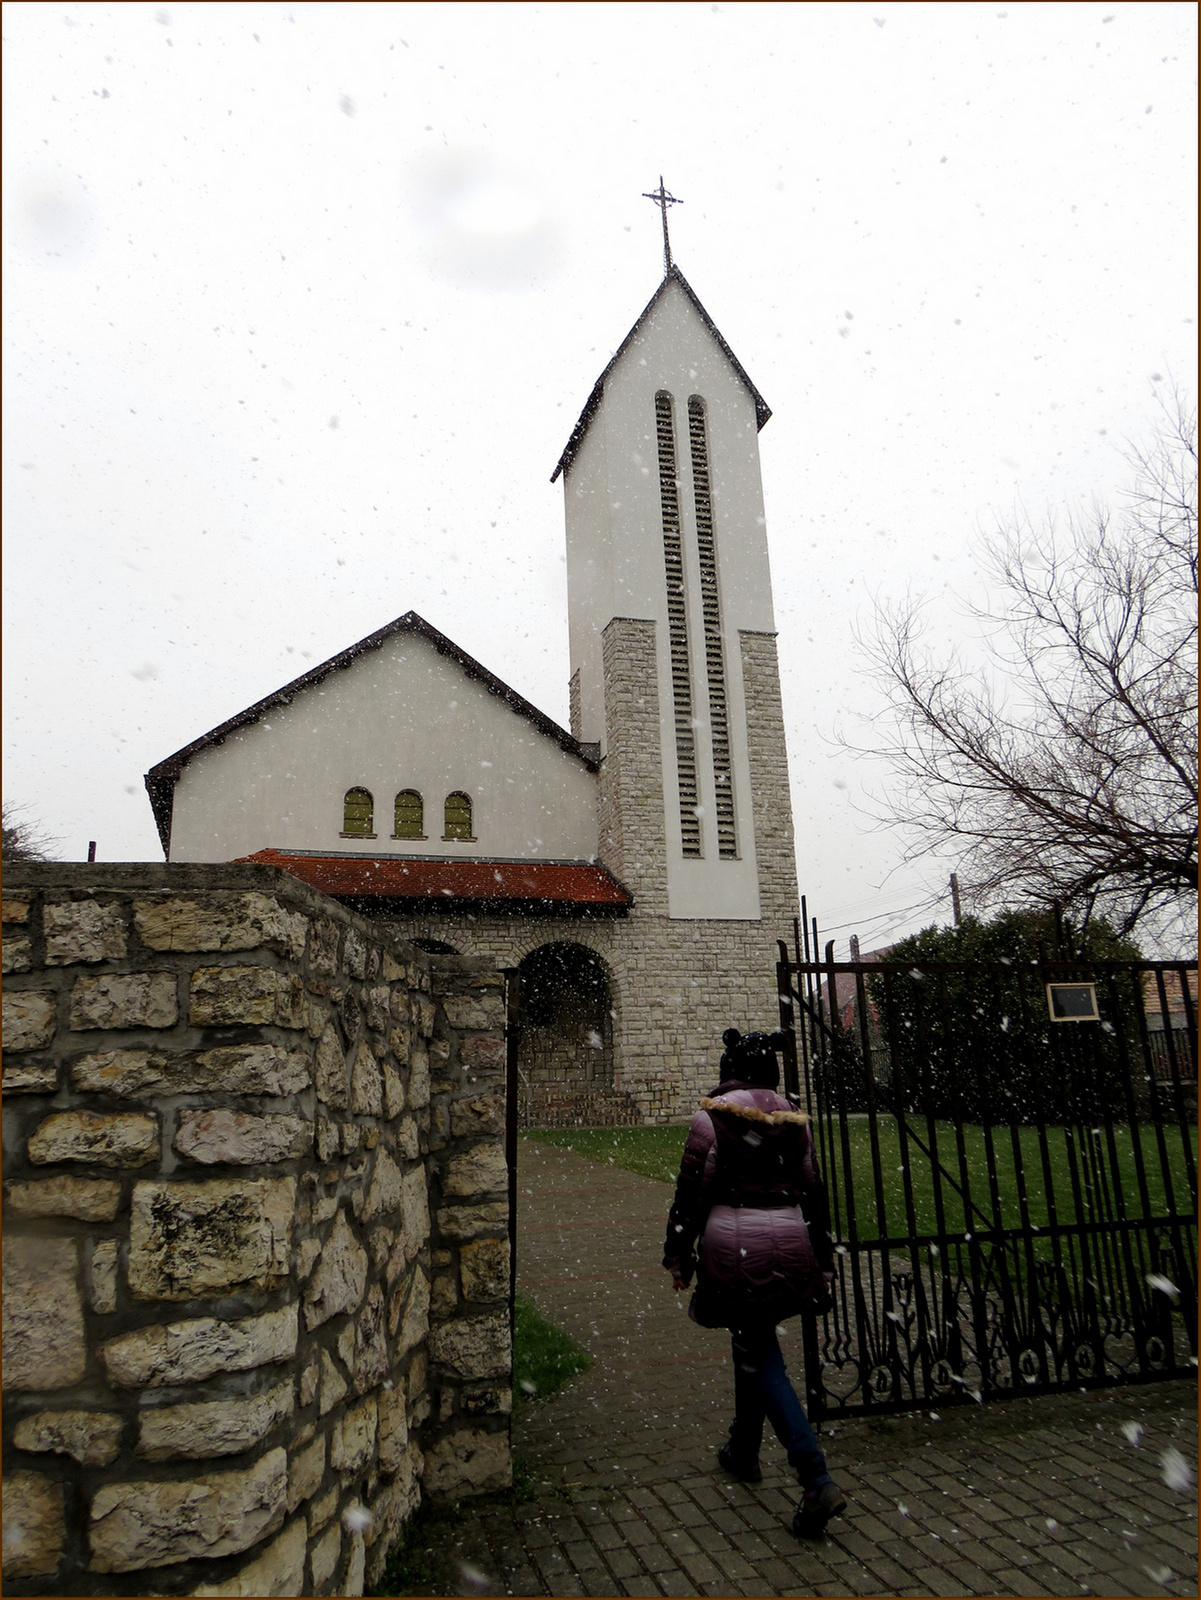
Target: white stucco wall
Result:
[615, 568]
[400, 717]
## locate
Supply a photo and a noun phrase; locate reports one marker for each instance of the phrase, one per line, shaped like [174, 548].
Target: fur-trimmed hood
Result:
[754, 1113]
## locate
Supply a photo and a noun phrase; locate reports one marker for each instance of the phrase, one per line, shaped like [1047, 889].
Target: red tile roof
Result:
[576, 884]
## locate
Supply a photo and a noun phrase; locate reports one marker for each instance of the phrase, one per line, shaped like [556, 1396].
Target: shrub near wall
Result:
[255, 1252]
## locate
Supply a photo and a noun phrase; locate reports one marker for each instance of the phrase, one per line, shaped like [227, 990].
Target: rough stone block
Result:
[352, 1438]
[475, 1011]
[28, 1018]
[153, 1524]
[387, 1191]
[43, 1313]
[119, 1139]
[88, 1199]
[333, 1077]
[82, 930]
[354, 954]
[262, 1069]
[423, 1014]
[366, 1084]
[324, 1559]
[189, 1239]
[323, 1509]
[408, 1140]
[104, 1270]
[479, 1169]
[323, 947]
[473, 1347]
[254, 995]
[17, 954]
[483, 1054]
[393, 1436]
[394, 1094]
[490, 1400]
[34, 1525]
[212, 1427]
[416, 1324]
[241, 1139]
[306, 1472]
[467, 1222]
[333, 1384]
[356, 1565]
[93, 1438]
[29, 1075]
[484, 1269]
[279, 1570]
[15, 910]
[468, 1461]
[221, 922]
[176, 1353]
[370, 1343]
[340, 1279]
[125, 1000]
[482, 1114]
[419, 1078]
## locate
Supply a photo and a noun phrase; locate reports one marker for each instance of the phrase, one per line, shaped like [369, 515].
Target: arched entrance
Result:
[564, 1016]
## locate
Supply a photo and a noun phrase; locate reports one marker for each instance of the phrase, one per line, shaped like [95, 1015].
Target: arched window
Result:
[458, 816]
[410, 816]
[358, 811]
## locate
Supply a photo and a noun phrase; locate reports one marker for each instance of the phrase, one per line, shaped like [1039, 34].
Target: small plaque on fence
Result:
[1073, 1002]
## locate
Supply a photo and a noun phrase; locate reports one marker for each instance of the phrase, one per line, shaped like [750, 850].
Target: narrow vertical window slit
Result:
[715, 670]
[677, 623]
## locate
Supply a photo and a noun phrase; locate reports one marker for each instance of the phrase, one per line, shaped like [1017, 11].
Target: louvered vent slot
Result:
[677, 621]
[715, 669]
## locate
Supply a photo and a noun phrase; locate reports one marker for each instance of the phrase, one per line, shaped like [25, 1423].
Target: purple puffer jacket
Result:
[750, 1190]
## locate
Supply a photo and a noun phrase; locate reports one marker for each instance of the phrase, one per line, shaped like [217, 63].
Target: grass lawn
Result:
[655, 1153]
[544, 1357]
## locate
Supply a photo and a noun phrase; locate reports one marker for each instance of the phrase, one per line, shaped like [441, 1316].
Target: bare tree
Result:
[1067, 769]
[23, 840]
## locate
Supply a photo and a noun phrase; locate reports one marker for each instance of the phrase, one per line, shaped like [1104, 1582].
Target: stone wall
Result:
[256, 1259]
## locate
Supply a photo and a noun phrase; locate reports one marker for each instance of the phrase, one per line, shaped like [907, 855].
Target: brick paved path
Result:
[1030, 1497]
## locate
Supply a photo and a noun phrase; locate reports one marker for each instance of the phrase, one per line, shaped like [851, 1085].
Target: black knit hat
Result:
[751, 1057]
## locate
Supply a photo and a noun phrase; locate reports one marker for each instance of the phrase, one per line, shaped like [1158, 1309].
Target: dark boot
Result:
[748, 1471]
[815, 1510]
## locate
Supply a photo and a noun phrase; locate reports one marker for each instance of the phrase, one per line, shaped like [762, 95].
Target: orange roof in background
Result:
[577, 884]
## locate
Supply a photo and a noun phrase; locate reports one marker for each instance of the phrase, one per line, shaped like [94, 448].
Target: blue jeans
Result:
[762, 1391]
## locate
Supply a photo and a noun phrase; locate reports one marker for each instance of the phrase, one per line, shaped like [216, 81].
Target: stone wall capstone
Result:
[255, 1233]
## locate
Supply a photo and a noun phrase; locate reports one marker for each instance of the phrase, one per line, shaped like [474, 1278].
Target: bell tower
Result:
[672, 632]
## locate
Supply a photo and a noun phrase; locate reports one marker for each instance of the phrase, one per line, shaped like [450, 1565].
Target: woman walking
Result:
[750, 1192]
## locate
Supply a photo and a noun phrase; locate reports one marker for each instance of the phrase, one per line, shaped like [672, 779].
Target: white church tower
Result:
[675, 681]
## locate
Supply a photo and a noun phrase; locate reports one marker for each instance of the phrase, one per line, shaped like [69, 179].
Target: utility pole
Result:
[91, 849]
[955, 898]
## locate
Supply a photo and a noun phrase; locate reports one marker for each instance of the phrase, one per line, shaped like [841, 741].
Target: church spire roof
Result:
[673, 275]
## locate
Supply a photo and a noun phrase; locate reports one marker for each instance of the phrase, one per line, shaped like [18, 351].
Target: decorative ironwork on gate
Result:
[1014, 1198]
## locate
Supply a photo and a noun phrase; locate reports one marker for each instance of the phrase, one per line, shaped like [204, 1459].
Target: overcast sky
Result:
[302, 302]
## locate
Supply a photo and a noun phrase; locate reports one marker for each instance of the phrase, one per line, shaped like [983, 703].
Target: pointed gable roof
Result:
[161, 779]
[674, 275]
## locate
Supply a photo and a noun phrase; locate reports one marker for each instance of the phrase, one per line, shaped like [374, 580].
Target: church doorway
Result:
[564, 1018]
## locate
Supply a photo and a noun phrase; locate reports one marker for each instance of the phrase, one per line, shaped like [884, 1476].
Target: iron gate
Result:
[1014, 1198]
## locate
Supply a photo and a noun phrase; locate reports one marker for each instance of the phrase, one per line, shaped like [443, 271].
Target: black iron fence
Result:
[1014, 1192]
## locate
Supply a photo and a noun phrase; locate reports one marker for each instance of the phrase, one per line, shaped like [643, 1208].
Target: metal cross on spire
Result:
[662, 199]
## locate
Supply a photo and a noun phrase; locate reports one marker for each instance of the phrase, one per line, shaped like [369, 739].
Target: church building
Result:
[633, 874]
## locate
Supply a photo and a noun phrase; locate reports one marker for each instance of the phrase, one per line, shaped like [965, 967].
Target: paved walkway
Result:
[1030, 1497]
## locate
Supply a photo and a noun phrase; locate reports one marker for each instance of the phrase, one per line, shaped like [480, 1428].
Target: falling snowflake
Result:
[902, 1508]
[1177, 1473]
[1052, 1524]
[357, 1518]
[1159, 1574]
[1164, 1285]
[1134, 1432]
[527, 1387]
[474, 1580]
